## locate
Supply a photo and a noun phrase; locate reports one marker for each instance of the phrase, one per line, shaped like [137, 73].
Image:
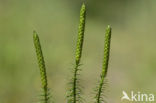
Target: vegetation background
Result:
[133, 53]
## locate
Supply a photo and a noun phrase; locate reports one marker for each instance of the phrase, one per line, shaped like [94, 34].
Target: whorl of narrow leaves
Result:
[42, 67]
[74, 95]
[99, 98]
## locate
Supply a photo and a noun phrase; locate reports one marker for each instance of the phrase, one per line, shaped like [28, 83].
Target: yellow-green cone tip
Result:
[83, 5]
[35, 34]
[108, 27]
[83, 8]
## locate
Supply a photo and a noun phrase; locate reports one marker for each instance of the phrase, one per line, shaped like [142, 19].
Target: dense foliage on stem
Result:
[74, 95]
[75, 91]
[99, 95]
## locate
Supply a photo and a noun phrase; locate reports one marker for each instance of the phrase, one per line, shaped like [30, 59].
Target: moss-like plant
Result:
[42, 67]
[101, 87]
[74, 95]
[74, 92]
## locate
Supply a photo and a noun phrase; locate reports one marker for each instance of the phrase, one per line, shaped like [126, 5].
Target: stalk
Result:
[42, 67]
[75, 90]
[105, 64]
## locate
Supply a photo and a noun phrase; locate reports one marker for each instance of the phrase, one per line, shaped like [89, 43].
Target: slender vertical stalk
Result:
[79, 47]
[105, 63]
[42, 67]
[74, 95]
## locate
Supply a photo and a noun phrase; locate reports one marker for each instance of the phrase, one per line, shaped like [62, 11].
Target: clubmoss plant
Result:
[42, 67]
[101, 87]
[74, 95]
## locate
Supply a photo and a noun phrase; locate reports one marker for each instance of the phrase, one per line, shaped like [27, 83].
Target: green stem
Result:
[75, 84]
[79, 47]
[42, 67]
[105, 62]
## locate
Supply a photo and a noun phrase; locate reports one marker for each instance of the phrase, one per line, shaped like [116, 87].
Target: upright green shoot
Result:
[74, 95]
[99, 95]
[42, 67]
[81, 30]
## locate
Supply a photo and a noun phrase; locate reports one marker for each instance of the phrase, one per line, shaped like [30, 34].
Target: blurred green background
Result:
[133, 53]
